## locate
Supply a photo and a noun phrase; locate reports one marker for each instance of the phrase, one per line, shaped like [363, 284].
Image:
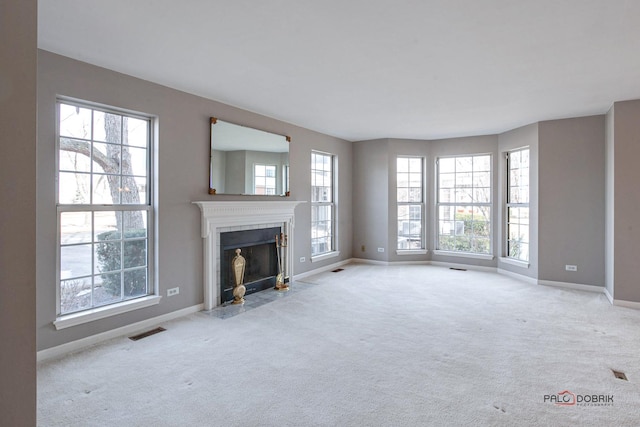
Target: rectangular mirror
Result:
[247, 161]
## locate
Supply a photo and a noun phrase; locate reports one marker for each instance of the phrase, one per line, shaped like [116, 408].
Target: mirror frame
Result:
[212, 190]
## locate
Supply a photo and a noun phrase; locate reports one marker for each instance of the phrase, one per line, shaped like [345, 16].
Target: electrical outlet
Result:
[362, 248]
[380, 249]
[173, 291]
[571, 267]
[303, 259]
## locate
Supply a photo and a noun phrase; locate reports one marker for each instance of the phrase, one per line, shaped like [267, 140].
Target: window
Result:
[464, 204]
[410, 199]
[518, 204]
[103, 206]
[265, 179]
[322, 203]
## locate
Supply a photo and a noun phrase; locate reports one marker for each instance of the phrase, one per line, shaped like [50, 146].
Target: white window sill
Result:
[328, 255]
[411, 251]
[74, 319]
[463, 255]
[516, 262]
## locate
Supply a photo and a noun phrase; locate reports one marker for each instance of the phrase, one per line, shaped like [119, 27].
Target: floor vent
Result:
[457, 269]
[619, 375]
[337, 270]
[147, 334]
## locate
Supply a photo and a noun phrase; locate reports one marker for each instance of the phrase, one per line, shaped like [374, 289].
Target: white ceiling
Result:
[364, 69]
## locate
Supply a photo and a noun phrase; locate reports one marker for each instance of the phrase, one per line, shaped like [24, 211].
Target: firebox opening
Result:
[261, 267]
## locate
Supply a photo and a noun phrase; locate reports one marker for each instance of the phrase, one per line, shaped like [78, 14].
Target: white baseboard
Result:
[321, 269]
[575, 286]
[409, 263]
[618, 302]
[436, 263]
[522, 277]
[465, 266]
[627, 304]
[82, 343]
[368, 261]
[608, 295]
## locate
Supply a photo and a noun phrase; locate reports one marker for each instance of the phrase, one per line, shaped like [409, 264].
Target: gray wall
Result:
[182, 177]
[571, 228]
[371, 200]
[518, 138]
[18, 32]
[626, 231]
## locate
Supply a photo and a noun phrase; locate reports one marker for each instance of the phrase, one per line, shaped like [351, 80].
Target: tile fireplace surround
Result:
[220, 217]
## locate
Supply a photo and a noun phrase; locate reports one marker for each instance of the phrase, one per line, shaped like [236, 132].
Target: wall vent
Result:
[337, 270]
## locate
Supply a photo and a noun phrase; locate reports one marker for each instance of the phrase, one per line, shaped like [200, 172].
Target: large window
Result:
[464, 204]
[104, 206]
[410, 199]
[322, 203]
[518, 204]
[264, 179]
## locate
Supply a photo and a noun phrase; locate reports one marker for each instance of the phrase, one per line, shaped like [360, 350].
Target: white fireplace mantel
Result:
[216, 215]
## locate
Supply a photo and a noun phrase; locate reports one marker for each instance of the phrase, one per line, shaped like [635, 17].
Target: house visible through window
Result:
[518, 204]
[464, 204]
[264, 179]
[410, 200]
[104, 206]
[322, 203]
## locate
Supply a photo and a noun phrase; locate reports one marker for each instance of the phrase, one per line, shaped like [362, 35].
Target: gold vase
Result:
[281, 243]
[280, 285]
[239, 289]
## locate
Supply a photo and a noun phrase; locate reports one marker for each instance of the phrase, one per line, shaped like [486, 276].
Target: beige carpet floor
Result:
[369, 346]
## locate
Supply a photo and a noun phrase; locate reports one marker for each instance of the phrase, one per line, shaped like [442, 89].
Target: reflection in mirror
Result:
[248, 161]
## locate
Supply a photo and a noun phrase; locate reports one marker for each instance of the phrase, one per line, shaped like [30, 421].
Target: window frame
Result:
[509, 204]
[421, 204]
[285, 179]
[333, 250]
[124, 304]
[438, 203]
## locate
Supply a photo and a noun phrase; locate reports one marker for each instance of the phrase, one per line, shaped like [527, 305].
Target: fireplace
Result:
[259, 250]
[224, 216]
